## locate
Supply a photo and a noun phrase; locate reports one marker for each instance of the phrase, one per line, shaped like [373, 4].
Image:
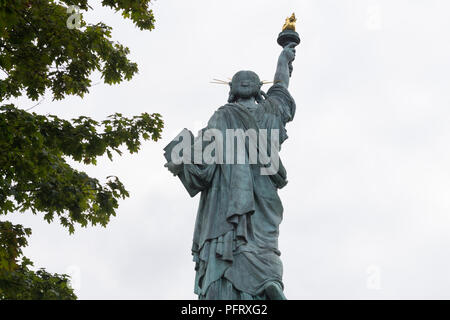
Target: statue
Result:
[235, 243]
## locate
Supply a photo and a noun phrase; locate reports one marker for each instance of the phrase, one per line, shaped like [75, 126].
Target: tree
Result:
[46, 46]
[17, 281]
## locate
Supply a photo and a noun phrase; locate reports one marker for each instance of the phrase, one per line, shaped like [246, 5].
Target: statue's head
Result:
[245, 84]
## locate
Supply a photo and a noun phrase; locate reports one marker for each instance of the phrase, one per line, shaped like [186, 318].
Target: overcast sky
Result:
[366, 209]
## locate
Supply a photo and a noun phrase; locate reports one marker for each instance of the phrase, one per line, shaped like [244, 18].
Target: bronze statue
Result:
[235, 243]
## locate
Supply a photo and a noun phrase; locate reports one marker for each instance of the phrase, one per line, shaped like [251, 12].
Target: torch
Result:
[288, 35]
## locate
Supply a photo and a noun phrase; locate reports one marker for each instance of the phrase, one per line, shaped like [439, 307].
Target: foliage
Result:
[38, 51]
[36, 176]
[46, 47]
[17, 281]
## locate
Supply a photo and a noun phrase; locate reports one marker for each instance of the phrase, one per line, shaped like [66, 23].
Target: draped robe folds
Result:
[235, 244]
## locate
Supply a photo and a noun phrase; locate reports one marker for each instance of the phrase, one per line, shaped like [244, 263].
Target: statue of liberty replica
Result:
[235, 243]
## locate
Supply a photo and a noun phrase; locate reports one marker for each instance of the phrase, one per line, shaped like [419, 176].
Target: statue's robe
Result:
[235, 245]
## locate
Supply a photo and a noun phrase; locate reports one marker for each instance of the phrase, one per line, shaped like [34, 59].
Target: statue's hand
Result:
[288, 52]
[174, 168]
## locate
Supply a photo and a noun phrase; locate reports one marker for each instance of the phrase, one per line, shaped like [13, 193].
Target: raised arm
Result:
[284, 65]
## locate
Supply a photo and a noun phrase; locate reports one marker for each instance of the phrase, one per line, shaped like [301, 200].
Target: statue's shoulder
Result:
[227, 107]
[281, 96]
[228, 114]
[219, 115]
[277, 90]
